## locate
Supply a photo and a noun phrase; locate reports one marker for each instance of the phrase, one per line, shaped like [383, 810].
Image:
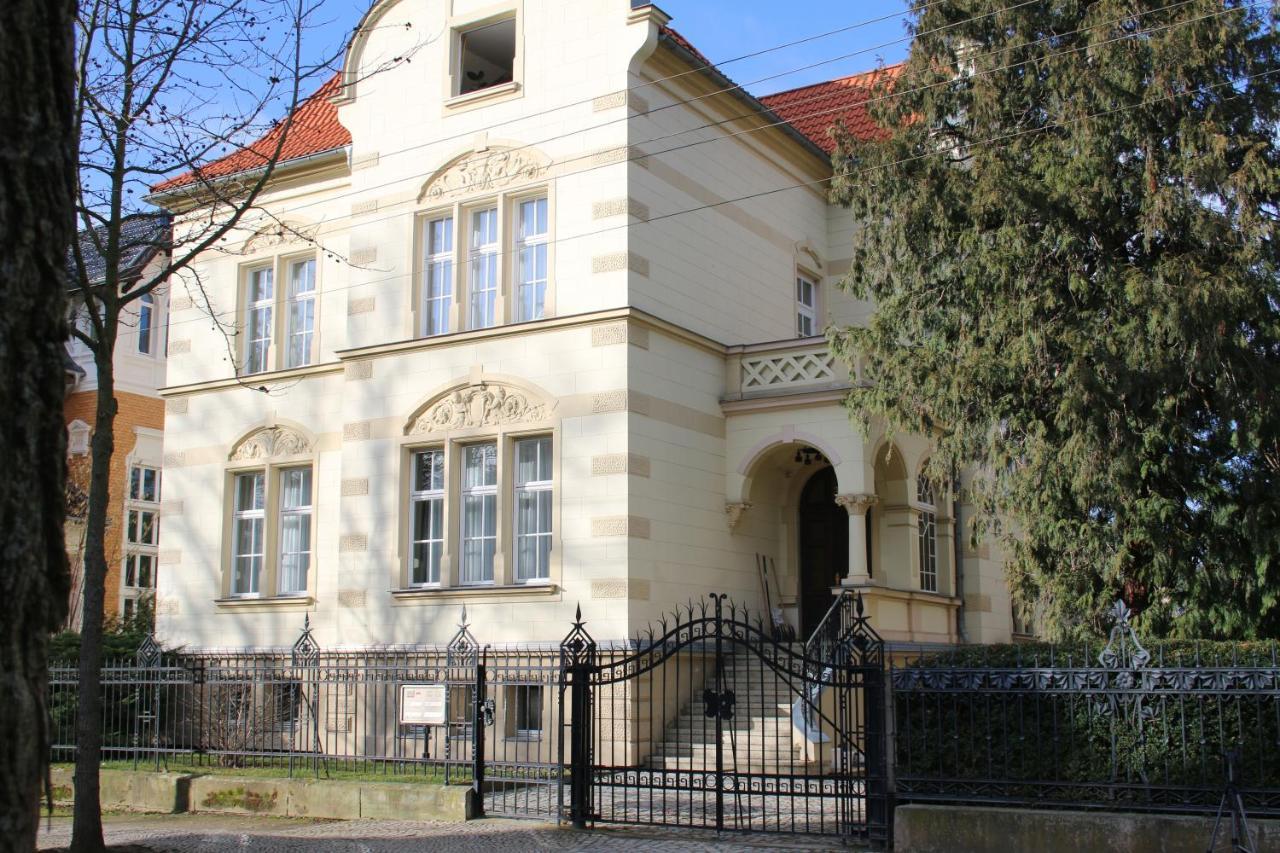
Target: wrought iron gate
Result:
[713, 723]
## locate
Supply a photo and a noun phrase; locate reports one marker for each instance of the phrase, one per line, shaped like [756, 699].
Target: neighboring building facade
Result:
[537, 329]
[133, 514]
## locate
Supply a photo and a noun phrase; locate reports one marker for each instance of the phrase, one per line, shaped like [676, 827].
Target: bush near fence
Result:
[1041, 723]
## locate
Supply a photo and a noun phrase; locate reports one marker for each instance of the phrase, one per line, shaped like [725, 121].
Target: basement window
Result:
[487, 56]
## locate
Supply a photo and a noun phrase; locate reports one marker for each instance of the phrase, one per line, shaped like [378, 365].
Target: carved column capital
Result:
[734, 512]
[857, 504]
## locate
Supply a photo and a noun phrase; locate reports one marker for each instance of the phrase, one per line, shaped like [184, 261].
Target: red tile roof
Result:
[814, 110]
[811, 110]
[315, 129]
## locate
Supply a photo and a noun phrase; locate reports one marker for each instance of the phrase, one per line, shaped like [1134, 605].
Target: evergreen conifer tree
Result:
[1069, 232]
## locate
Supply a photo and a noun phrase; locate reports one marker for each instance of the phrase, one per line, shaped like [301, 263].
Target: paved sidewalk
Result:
[219, 833]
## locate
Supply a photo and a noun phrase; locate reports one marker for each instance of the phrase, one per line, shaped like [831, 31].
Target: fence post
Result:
[577, 658]
[479, 720]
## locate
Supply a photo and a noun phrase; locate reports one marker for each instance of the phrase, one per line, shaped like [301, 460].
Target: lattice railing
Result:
[777, 371]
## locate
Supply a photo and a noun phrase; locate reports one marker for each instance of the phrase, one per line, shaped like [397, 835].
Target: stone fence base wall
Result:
[973, 829]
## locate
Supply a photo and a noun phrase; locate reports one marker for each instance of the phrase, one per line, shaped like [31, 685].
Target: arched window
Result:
[928, 534]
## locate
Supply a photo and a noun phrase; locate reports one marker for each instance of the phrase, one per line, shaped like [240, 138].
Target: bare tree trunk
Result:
[37, 192]
[86, 832]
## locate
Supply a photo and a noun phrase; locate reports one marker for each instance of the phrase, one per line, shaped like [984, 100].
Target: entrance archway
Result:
[824, 547]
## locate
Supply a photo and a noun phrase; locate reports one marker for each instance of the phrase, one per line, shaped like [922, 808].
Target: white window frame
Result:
[539, 574]
[241, 515]
[488, 495]
[806, 312]
[430, 495]
[535, 245]
[306, 301]
[146, 324]
[482, 302]
[928, 533]
[306, 511]
[253, 363]
[438, 307]
[138, 551]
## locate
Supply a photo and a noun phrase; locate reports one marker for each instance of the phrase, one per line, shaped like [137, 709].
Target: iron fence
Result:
[1121, 727]
[321, 712]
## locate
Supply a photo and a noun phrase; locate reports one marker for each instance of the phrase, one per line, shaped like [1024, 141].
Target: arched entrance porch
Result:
[823, 547]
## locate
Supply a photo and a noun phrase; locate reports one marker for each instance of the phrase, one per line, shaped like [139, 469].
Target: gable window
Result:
[928, 531]
[437, 289]
[531, 244]
[533, 509]
[484, 269]
[427, 517]
[302, 312]
[487, 56]
[806, 307]
[260, 301]
[479, 512]
[146, 320]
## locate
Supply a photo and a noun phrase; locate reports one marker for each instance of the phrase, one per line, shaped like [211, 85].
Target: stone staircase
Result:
[759, 738]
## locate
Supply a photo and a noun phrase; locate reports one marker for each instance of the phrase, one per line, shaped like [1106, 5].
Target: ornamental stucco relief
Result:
[479, 406]
[485, 171]
[271, 442]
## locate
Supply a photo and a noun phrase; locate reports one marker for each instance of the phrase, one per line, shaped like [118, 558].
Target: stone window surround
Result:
[459, 24]
[508, 204]
[453, 443]
[268, 582]
[281, 262]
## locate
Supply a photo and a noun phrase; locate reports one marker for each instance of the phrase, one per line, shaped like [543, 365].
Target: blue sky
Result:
[724, 29]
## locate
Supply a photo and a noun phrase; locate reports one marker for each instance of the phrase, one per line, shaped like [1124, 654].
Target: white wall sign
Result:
[422, 704]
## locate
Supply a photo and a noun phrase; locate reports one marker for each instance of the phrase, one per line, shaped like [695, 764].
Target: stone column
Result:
[857, 505]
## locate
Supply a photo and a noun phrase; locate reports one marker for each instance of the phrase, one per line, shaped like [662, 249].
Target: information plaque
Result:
[422, 704]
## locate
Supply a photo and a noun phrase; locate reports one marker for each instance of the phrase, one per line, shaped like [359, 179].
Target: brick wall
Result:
[135, 410]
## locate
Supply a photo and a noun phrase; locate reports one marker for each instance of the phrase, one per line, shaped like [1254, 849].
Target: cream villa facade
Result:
[530, 327]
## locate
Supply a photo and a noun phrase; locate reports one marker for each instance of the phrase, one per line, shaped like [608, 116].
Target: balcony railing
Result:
[785, 367]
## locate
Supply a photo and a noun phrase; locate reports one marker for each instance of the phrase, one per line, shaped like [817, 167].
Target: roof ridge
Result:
[870, 72]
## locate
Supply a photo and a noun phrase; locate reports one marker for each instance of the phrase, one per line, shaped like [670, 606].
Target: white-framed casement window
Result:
[524, 712]
[426, 513]
[482, 280]
[141, 536]
[146, 323]
[928, 530]
[249, 534]
[806, 306]
[260, 303]
[531, 251]
[278, 323]
[533, 488]
[479, 512]
[301, 313]
[437, 285]
[295, 530]
[486, 56]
